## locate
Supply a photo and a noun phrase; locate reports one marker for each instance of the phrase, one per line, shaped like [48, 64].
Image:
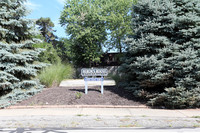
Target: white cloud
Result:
[62, 2]
[31, 5]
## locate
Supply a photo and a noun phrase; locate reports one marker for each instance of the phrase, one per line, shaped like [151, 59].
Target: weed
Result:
[170, 125]
[195, 116]
[78, 95]
[195, 125]
[98, 119]
[74, 124]
[80, 115]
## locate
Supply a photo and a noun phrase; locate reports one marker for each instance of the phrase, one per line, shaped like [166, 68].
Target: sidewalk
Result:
[101, 112]
[99, 117]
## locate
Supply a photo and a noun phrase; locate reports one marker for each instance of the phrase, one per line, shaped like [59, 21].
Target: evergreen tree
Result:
[18, 65]
[46, 28]
[162, 63]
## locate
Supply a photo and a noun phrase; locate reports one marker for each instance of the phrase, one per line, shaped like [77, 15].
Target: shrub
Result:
[54, 74]
[116, 77]
[177, 98]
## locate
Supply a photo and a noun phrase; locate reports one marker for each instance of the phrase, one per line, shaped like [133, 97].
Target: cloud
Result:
[62, 2]
[31, 5]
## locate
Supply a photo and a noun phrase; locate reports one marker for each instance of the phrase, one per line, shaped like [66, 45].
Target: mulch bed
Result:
[76, 96]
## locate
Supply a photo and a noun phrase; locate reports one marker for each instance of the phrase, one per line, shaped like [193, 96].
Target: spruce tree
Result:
[18, 65]
[162, 62]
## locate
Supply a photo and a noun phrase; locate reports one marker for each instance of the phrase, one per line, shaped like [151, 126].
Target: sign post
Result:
[94, 73]
[102, 85]
[86, 85]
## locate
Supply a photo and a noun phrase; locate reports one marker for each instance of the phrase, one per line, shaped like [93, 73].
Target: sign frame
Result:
[94, 73]
[86, 72]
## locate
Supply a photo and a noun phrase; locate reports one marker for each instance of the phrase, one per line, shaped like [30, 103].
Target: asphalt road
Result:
[95, 130]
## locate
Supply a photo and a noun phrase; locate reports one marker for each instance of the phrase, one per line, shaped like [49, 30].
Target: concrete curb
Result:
[75, 106]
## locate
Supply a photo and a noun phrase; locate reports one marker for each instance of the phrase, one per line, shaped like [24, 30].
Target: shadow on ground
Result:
[113, 89]
[76, 96]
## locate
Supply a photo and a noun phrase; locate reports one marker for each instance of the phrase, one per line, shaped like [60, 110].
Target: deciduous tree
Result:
[86, 28]
[118, 23]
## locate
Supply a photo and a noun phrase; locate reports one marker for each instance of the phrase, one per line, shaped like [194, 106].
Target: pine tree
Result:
[18, 65]
[163, 55]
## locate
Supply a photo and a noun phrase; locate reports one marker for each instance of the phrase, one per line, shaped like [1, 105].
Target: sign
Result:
[93, 79]
[93, 72]
[85, 72]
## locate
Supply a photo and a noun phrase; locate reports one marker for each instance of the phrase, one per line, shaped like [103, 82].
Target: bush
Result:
[177, 98]
[54, 74]
[116, 77]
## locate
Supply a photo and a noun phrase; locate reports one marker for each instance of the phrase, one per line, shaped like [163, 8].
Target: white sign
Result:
[93, 72]
[85, 72]
[93, 79]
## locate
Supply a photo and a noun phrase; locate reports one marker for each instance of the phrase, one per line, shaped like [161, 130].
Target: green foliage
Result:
[118, 22]
[46, 28]
[63, 48]
[116, 77]
[177, 98]
[86, 29]
[49, 55]
[164, 53]
[78, 95]
[93, 24]
[54, 74]
[17, 95]
[54, 50]
[18, 59]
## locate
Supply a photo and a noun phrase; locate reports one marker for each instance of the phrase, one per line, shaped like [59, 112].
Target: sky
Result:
[47, 8]
[51, 9]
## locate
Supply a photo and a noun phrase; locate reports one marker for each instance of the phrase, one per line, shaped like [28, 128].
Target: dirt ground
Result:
[77, 96]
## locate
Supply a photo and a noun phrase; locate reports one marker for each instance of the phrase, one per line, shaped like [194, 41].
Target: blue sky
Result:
[47, 8]
[52, 9]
